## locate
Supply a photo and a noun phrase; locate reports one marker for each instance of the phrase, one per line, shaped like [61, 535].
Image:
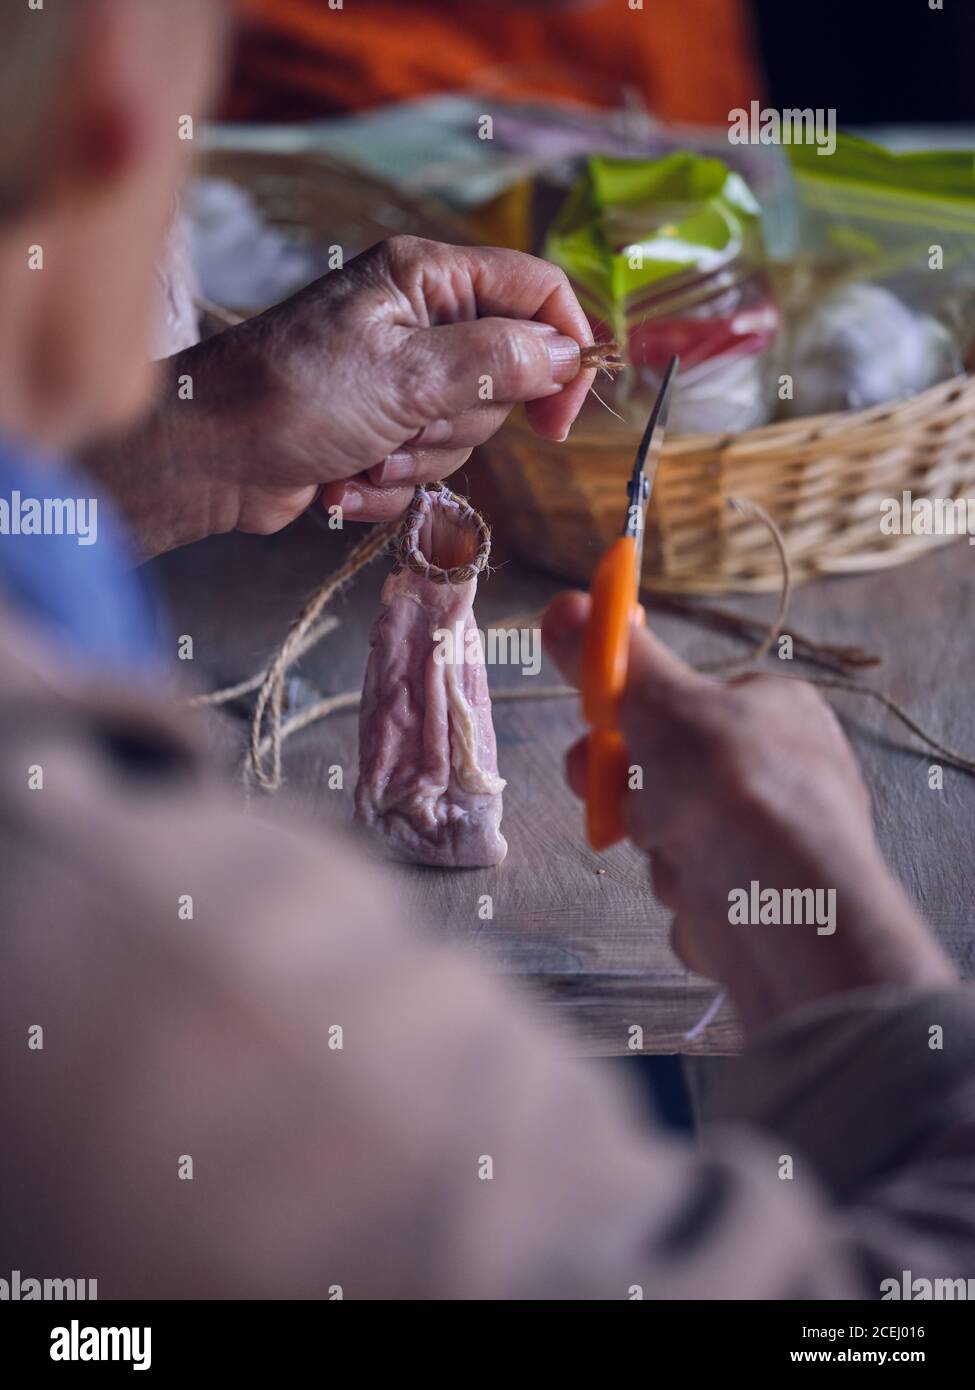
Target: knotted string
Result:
[409, 553]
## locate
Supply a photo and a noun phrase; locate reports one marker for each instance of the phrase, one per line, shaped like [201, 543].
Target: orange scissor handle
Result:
[606, 766]
[605, 659]
[606, 646]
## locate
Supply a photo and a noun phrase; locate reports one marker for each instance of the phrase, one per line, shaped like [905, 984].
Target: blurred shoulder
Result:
[107, 791]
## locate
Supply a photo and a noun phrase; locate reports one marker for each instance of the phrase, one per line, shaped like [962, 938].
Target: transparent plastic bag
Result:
[887, 307]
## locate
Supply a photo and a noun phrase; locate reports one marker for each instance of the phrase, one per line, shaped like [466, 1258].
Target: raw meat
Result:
[428, 787]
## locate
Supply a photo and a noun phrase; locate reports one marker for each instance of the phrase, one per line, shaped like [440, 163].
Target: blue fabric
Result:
[85, 598]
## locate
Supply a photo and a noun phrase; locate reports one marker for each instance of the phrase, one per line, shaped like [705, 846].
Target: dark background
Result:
[875, 61]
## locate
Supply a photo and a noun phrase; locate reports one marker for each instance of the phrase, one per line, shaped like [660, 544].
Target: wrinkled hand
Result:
[367, 382]
[389, 372]
[751, 780]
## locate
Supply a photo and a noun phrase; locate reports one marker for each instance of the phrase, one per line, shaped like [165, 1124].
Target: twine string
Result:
[409, 552]
[745, 507]
[303, 634]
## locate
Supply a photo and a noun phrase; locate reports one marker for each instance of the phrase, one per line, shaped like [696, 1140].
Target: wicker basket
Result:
[821, 479]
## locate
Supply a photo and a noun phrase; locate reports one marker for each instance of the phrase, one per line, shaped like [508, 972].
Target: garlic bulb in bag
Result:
[860, 346]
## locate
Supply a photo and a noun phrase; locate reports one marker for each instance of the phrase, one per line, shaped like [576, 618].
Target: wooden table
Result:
[582, 931]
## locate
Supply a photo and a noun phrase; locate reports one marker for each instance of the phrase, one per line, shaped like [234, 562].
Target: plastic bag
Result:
[906, 219]
[885, 306]
[667, 256]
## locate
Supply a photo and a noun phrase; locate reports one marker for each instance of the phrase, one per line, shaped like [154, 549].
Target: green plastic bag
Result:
[666, 256]
[629, 224]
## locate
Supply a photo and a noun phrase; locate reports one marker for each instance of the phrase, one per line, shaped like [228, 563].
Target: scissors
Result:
[606, 644]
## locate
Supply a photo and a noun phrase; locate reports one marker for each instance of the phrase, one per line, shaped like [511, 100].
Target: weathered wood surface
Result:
[592, 946]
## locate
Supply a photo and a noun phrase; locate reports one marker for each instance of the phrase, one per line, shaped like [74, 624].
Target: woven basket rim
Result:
[839, 426]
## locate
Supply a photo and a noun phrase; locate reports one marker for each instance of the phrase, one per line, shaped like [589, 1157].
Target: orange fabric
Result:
[691, 60]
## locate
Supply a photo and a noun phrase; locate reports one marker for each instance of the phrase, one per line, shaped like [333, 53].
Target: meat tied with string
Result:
[429, 790]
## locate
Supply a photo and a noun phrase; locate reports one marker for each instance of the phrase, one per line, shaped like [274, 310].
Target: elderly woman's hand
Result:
[370, 380]
[389, 372]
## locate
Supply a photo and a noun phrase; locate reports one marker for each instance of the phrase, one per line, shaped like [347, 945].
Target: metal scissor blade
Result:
[640, 485]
